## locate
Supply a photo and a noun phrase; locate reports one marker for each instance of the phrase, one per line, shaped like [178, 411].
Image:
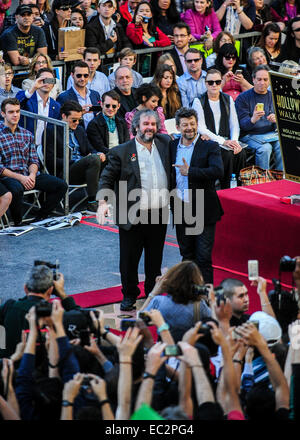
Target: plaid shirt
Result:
[17, 150]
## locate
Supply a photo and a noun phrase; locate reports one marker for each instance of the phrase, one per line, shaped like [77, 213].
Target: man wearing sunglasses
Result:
[80, 92]
[192, 83]
[84, 160]
[218, 120]
[107, 130]
[24, 40]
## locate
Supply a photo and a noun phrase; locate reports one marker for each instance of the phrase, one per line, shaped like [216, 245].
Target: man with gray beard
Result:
[124, 81]
[140, 172]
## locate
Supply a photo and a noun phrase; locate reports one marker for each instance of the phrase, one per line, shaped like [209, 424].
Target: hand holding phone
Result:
[172, 350]
[252, 270]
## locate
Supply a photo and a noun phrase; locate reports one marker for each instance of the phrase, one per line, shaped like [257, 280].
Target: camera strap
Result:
[196, 311]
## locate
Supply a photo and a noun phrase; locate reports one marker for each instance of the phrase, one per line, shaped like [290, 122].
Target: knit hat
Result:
[268, 327]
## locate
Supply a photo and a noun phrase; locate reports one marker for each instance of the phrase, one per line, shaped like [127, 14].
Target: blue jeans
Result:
[263, 151]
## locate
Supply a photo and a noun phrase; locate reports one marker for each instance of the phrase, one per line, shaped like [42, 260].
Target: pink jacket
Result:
[197, 23]
[160, 112]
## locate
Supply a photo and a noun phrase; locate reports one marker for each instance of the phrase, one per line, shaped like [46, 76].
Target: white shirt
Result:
[154, 180]
[216, 110]
[41, 125]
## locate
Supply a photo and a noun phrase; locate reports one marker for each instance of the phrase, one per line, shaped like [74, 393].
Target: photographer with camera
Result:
[39, 287]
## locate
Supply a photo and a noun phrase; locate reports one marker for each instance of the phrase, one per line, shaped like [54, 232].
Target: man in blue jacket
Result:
[37, 100]
[80, 93]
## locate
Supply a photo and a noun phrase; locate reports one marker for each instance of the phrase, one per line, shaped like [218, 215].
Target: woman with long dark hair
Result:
[165, 79]
[270, 42]
[165, 15]
[235, 79]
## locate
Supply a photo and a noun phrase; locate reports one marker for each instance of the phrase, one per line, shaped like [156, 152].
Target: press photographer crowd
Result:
[193, 353]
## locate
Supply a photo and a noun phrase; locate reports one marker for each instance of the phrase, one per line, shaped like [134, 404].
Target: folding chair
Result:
[4, 222]
[71, 189]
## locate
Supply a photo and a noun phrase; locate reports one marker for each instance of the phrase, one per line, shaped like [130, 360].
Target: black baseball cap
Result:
[22, 9]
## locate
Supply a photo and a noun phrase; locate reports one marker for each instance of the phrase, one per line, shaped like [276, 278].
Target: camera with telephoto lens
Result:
[200, 290]
[287, 264]
[43, 309]
[52, 266]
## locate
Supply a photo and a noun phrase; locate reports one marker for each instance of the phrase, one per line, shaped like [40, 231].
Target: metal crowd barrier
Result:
[56, 123]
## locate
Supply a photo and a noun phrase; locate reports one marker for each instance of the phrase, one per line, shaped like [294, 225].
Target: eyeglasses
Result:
[76, 120]
[41, 62]
[65, 8]
[296, 30]
[225, 41]
[80, 75]
[211, 82]
[230, 57]
[180, 36]
[114, 106]
[194, 59]
[8, 74]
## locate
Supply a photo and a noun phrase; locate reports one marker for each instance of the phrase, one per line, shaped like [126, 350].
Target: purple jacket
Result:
[197, 23]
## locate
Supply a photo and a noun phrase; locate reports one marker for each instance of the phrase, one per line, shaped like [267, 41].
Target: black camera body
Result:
[219, 293]
[43, 309]
[200, 290]
[52, 266]
[144, 317]
[287, 264]
[205, 329]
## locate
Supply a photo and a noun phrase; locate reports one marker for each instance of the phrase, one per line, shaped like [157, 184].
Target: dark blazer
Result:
[177, 62]
[31, 105]
[95, 37]
[206, 166]
[125, 107]
[121, 168]
[80, 135]
[98, 134]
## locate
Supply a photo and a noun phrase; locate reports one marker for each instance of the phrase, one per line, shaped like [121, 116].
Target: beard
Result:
[147, 136]
[189, 135]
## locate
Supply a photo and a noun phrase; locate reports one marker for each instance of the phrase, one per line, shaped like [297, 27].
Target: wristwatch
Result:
[148, 376]
[164, 326]
[66, 403]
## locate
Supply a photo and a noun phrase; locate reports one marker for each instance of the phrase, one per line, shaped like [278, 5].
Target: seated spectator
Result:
[235, 79]
[265, 14]
[24, 40]
[218, 120]
[5, 5]
[256, 57]
[84, 160]
[286, 9]
[127, 58]
[291, 47]
[79, 91]
[10, 19]
[192, 83]
[61, 15]
[107, 129]
[167, 59]
[181, 37]
[78, 18]
[165, 15]
[39, 286]
[236, 16]
[45, 10]
[5, 200]
[148, 96]
[97, 80]
[37, 19]
[201, 17]
[104, 33]
[40, 62]
[270, 42]
[7, 90]
[20, 172]
[124, 88]
[258, 123]
[127, 10]
[142, 30]
[89, 11]
[224, 37]
[165, 80]
[177, 308]
[37, 100]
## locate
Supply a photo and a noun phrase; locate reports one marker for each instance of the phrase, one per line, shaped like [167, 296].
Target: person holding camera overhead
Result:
[39, 286]
[37, 100]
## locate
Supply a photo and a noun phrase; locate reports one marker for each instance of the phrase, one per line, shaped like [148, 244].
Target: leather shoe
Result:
[127, 306]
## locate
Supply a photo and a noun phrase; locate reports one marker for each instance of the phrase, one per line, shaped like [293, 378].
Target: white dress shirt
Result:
[41, 125]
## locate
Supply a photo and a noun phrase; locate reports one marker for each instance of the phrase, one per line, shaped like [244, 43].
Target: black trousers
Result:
[86, 170]
[233, 163]
[54, 188]
[147, 237]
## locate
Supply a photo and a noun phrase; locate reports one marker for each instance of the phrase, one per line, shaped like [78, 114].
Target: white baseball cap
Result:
[268, 326]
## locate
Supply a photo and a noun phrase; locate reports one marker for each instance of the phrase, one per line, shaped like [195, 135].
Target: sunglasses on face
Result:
[65, 8]
[194, 59]
[211, 82]
[80, 75]
[230, 57]
[114, 106]
[76, 120]
[296, 30]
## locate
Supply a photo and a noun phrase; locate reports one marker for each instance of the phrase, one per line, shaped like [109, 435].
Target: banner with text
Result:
[286, 100]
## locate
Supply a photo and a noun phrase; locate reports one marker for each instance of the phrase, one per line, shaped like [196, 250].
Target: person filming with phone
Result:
[37, 100]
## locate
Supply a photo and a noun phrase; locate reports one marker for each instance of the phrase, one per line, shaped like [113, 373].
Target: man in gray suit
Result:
[139, 172]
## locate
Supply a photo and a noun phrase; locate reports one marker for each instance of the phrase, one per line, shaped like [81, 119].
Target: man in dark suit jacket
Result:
[141, 165]
[38, 101]
[84, 160]
[124, 81]
[181, 35]
[80, 93]
[196, 165]
[113, 38]
[108, 130]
